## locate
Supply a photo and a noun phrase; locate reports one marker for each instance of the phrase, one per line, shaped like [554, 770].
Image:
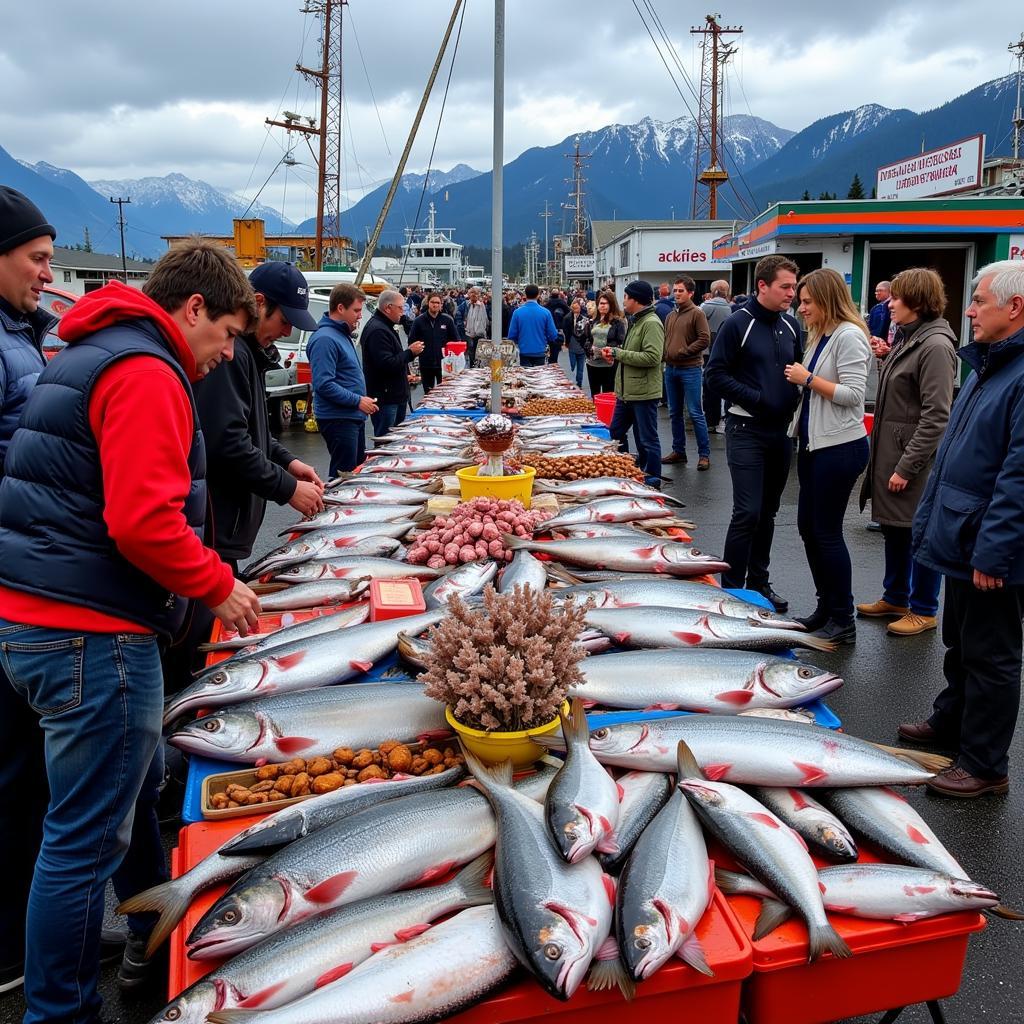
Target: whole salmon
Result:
[643, 795]
[623, 554]
[608, 510]
[349, 516]
[357, 568]
[818, 826]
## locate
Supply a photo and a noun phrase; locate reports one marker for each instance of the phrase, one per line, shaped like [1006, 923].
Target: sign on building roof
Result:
[939, 172]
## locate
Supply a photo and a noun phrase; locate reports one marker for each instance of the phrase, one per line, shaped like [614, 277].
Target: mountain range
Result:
[637, 171]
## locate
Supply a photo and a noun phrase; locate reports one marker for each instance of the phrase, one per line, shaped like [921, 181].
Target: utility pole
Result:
[120, 220]
[579, 229]
[328, 77]
[709, 115]
[547, 215]
[1018, 115]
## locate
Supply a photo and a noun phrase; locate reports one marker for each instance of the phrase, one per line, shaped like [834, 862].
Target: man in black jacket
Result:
[435, 329]
[747, 368]
[386, 363]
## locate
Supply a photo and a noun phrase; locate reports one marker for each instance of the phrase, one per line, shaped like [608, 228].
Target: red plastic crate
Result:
[893, 965]
[676, 989]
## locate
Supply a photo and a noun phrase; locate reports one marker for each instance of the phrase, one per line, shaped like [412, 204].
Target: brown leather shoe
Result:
[667, 460]
[919, 732]
[703, 463]
[912, 624]
[880, 608]
[958, 782]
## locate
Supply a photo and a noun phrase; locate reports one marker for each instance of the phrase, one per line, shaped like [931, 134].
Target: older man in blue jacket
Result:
[969, 527]
[340, 402]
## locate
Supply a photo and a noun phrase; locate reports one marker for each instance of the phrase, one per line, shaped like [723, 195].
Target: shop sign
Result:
[1017, 247]
[748, 252]
[578, 266]
[680, 250]
[939, 172]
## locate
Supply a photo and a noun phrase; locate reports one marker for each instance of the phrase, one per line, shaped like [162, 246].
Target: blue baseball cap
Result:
[284, 285]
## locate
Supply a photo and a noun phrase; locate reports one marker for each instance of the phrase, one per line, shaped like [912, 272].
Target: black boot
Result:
[816, 620]
[838, 633]
[780, 604]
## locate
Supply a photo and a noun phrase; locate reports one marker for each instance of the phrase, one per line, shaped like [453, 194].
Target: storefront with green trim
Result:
[872, 240]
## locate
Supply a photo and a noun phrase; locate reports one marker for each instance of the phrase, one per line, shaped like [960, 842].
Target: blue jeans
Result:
[907, 582]
[532, 360]
[683, 390]
[827, 476]
[643, 418]
[97, 701]
[346, 441]
[577, 363]
[386, 417]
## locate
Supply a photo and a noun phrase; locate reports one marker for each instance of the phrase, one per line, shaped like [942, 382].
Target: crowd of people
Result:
[137, 465]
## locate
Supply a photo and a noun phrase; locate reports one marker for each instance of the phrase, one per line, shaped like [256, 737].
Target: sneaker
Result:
[873, 527]
[136, 973]
[912, 624]
[837, 633]
[958, 782]
[720, 429]
[780, 604]
[672, 457]
[12, 977]
[703, 463]
[881, 607]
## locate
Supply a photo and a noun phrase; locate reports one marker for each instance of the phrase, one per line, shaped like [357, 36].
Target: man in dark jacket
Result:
[435, 329]
[386, 363]
[879, 318]
[247, 466]
[26, 248]
[747, 368]
[665, 303]
[969, 527]
[558, 308]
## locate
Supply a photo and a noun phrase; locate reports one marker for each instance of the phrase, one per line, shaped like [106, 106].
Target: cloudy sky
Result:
[130, 89]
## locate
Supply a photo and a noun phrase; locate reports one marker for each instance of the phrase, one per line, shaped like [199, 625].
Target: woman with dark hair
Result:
[833, 445]
[576, 328]
[915, 392]
[607, 331]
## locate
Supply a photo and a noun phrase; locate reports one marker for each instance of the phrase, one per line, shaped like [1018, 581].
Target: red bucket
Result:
[455, 348]
[604, 406]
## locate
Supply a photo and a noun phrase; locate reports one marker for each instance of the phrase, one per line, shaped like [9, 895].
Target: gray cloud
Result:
[135, 89]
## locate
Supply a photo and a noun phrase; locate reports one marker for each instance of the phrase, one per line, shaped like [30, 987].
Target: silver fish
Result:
[608, 510]
[761, 752]
[623, 554]
[370, 494]
[417, 448]
[254, 643]
[357, 568]
[414, 650]
[643, 794]
[721, 682]
[466, 580]
[323, 542]
[582, 805]
[434, 975]
[316, 661]
[819, 827]
[398, 480]
[524, 571]
[771, 851]
[291, 964]
[315, 594]
[663, 892]
[412, 464]
[680, 627]
[313, 722]
[395, 845]
[349, 516]
[603, 487]
[554, 915]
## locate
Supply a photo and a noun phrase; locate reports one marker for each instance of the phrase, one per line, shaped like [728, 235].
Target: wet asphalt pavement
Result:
[887, 680]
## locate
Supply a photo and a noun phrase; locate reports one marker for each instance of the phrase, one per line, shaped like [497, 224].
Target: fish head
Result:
[301, 573]
[971, 892]
[239, 919]
[220, 733]
[562, 948]
[794, 680]
[624, 739]
[573, 829]
[838, 842]
[645, 941]
[192, 1005]
[232, 679]
[679, 554]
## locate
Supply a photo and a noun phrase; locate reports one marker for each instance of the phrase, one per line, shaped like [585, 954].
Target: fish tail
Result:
[923, 758]
[814, 642]
[489, 776]
[560, 574]
[473, 881]
[608, 970]
[823, 938]
[1007, 913]
[730, 881]
[686, 763]
[773, 913]
[169, 899]
[574, 726]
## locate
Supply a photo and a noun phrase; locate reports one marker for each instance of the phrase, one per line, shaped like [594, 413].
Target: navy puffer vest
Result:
[53, 541]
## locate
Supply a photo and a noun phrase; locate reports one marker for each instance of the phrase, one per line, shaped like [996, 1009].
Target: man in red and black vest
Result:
[102, 510]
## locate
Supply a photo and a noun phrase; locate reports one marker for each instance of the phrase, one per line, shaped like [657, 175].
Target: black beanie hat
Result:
[641, 292]
[20, 220]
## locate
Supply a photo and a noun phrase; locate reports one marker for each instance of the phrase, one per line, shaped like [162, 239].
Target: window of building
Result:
[67, 276]
[624, 253]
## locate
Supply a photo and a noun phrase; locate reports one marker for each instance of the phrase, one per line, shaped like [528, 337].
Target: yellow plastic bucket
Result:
[518, 485]
[497, 747]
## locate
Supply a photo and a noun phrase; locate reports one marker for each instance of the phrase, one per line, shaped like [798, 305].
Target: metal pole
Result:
[497, 197]
[400, 170]
[321, 178]
[120, 220]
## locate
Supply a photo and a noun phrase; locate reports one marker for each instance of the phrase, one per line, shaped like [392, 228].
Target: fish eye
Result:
[218, 678]
[552, 951]
[230, 916]
[210, 724]
[600, 734]
[172, 1014]
[804, 672]
[642, 942]
[694, 551]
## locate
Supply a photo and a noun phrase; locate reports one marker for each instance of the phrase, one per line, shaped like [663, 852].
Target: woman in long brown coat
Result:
[915, 390]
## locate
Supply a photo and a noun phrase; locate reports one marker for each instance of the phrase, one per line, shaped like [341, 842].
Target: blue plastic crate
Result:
[200, 768]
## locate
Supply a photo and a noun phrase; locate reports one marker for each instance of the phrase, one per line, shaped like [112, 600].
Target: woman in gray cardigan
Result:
[915, 391]
[833, 451]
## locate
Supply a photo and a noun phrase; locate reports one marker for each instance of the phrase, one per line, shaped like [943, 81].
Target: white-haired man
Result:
[969, 527]
[386, 363]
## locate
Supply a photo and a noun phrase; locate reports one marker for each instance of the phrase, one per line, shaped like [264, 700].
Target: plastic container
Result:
[395, 599]
[604, 406]
[676, 992]
[517, 485]
[496, 747]
[893, 965]
[455, 348]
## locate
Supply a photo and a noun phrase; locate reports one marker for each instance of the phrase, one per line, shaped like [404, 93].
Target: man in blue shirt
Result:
[532, 329]
[340, 402]
[879, 316]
